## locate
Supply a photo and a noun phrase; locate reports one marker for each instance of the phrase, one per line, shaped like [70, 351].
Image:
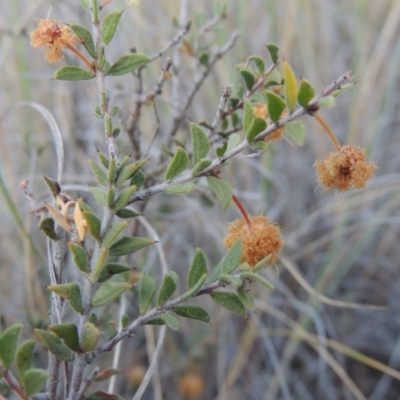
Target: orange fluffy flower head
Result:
[261, 240]
[54, 37]
[345, 169]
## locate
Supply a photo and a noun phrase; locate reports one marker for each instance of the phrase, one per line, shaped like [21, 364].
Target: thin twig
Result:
[198, 83]
[219, 116]
[220, 162]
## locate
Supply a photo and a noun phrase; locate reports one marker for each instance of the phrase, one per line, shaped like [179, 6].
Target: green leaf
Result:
[220, 150]
[155, 321]
[34, 379]
[182, 188]
[126, 172]
[128, 63]
[84, 207]
[24, 357]
[222, 190]
[259, 63]
[46, 224]
[54, 344]
[193, 291]
[233, 141]
[85, 4]
[343, 88]
[276, 105]
[79, 256]
[178, 164]
[85, 37]
[167, 289]
[72, 73]
[112, 168]
[128, 245]
[113, 232]
[246, 297]
[98, 173]
[90, 337]
[109, 27]
[112, 269]
[138, 179]
[98, 265]
[193, 312]
[327, 102]
[228, 263]
[71, 292]
[200, 166]
[147, 289]
[171, 321]
[261, 146]
[230, 301]
[126, 213]
[260, 279]
[296, 131]
[8, 344]
[197, 269]
[108, 292]
[273, 52]
[248, 115]
[69, 333]
[230, 280]
[200, 142]
[123, 197]
[103, 159]
[98, 195]
[93, 224]
[306, 93]
[110, 195]
[257, 126]
[248, 76]
[4, 388]
[290, 88]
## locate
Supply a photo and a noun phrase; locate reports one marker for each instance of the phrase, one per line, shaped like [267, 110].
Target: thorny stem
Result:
[89, 64]
[242, 210]
[328, 130]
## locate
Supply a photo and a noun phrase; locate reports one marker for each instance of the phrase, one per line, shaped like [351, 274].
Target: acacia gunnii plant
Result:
[267, 107]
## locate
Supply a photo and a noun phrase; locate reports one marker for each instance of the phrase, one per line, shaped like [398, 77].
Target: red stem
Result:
[242, 210]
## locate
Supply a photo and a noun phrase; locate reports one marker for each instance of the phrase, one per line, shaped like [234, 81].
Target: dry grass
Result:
[344, 245]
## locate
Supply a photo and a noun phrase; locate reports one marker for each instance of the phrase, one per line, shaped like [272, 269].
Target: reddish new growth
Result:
[345, 169]
[54, 37]
[261, 240]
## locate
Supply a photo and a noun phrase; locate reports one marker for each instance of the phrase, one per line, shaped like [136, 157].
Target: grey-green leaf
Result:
[200, 166]
[248, 115]
[273, 50]
[34, 379]
[197, 269]
[256, 277]
[85, 37]
[112, 269]
[8, 344]
[230, 301]
[128, 245]
[193, 312]
[99, 173]
[72, 73]
[147, 289]
[171, 321]
[222, 190]
[276, 105]
[108, 292]
[109, 27]
[200, 142]
[69, 333]
[179, 163]
[182, 188]
[167, 289]
[296, 131]
[128, 63]
[246, 297]
[98, 195]
[123, 197]
[111, 235]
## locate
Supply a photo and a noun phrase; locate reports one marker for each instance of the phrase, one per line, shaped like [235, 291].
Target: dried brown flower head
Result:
[54, 37]
[191, 386]
[263, 239]
[345, 169]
